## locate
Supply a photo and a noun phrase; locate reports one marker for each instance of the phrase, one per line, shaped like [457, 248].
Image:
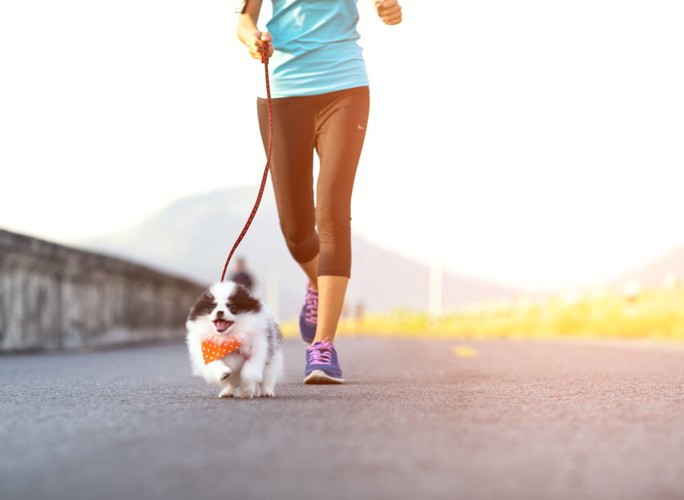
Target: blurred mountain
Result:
[663, 270]
[192, 237]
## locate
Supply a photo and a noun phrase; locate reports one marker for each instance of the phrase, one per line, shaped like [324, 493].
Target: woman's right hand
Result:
[256, 42]
[389, 11]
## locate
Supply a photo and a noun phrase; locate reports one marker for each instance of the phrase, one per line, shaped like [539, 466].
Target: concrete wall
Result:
[56, 297]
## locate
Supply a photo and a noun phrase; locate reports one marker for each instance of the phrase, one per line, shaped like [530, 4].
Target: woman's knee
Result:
[333, 221]
[302, 243]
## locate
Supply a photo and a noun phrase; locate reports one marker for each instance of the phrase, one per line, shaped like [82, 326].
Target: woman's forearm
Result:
[250, 35]
[247, 21]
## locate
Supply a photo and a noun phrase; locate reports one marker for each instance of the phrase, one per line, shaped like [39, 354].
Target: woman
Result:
[320, 103]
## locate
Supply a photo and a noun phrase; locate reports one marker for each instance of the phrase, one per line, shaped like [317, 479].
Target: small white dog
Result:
[234, 342]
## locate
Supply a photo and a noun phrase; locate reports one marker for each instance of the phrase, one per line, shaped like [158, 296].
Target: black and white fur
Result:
[228, 310]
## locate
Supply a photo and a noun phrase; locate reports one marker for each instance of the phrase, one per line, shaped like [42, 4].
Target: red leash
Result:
[264, 59]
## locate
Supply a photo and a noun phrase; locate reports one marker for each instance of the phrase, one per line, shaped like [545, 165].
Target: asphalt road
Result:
[416, 419]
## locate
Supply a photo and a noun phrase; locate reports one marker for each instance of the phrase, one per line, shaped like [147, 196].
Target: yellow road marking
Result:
[462, 351]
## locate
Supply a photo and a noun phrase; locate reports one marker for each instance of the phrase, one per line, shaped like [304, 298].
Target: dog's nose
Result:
[219, 314]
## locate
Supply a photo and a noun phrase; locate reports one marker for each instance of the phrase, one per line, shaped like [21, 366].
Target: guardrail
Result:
[57, 297]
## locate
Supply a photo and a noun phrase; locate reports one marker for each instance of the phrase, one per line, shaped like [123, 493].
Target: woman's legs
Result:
[341, 132]
[294, 136]
[311, 270]
[331, 292]
[334, 124]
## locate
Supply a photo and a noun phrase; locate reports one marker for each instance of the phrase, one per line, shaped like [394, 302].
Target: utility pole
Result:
[435, 292]
[273, 296]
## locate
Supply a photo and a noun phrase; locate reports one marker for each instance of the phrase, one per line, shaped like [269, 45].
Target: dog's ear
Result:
[243, 301]
[203, 306]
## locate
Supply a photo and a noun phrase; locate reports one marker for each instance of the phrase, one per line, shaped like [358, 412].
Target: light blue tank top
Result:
[316, 47]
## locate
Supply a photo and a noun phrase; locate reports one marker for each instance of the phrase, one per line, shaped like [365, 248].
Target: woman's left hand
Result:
[389, 11]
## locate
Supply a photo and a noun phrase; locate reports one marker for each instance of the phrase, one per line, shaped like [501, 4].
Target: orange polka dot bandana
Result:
[213, 350]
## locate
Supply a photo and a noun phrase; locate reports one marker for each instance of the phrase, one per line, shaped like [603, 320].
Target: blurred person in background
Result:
[241, 275]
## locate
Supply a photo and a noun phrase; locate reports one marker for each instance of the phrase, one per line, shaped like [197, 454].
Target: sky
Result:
[537, 144]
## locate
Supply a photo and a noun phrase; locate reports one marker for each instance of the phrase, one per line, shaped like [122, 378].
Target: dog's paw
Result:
[267, 393]
[248, 391]
[227, 392]
[217, 371]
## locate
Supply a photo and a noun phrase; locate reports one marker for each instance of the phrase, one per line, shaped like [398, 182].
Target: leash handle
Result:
[264, 53]
[264, 60]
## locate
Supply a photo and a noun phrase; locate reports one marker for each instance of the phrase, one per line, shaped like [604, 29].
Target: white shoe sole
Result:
[320, 377]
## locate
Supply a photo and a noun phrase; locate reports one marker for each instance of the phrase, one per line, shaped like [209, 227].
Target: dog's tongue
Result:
[222, 325]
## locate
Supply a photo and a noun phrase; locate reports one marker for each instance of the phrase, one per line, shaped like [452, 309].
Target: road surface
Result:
[417, 419]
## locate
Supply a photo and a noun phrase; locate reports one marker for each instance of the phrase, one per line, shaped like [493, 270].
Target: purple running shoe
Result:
[308, 317]
[322, 366]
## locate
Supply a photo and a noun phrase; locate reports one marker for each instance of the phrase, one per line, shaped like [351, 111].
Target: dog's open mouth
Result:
[222, 325]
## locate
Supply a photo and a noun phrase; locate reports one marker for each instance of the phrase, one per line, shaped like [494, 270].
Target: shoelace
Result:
[320, 353]
[311, 307]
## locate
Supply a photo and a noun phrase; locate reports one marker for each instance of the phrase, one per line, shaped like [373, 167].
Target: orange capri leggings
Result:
[333, 125]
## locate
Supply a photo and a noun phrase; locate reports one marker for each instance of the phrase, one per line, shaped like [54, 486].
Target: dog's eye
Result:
[232, 309]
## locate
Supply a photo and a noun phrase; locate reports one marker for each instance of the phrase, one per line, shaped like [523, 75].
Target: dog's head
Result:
[221, 306]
